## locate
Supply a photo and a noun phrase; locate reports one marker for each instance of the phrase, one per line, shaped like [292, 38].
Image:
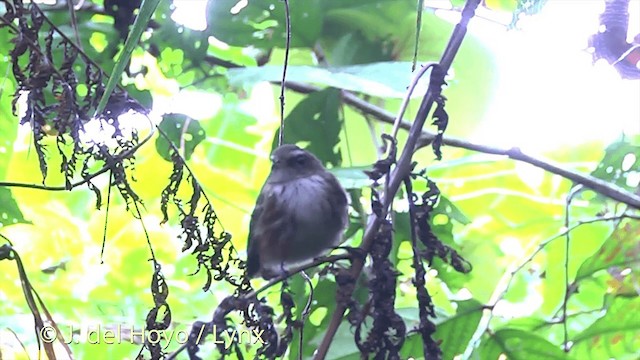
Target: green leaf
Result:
[173, 125]
[620, 162]
[146, 11]
[9, 211]
[8, 121]
[352, 177]
[343, 346]
[377, 19]
[144, 97]
[318, 121]
[456, 332]
[362, 31]
[261, 23]
[613, 336]
[354, 48]
[518, 344]
[453, 332]
[412, 347]
[620, 250]
[193, 43]
[230, 143]
[445, 206]
[383, 79]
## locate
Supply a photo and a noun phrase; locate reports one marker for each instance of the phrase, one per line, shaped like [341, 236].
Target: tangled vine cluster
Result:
[59, 88]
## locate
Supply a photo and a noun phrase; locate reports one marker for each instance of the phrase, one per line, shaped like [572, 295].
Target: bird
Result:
[300, 214]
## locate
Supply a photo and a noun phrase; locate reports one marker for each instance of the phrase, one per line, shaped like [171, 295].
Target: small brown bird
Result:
[300, 213]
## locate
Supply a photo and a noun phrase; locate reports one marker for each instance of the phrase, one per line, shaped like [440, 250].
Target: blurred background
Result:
[525, 77]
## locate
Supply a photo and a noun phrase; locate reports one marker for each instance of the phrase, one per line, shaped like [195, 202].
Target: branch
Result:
[600, 186]
[403, 166]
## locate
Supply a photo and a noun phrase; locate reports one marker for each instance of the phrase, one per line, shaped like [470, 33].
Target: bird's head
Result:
[291, 162]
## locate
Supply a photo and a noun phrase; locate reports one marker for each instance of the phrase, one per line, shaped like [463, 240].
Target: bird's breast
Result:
[305, 198]
[305, 225]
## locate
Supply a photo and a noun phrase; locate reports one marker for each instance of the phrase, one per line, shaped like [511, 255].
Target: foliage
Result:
[480, 256]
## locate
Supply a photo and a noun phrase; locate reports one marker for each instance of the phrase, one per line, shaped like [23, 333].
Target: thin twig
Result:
[346, 135]
[305, 312]
[106, 219]
[287, 20]
[403, 108]
[74, 22]
[504, 284]
[294, 270]
[567, 221]
[407, 97]
[144, 229]
[420, 10]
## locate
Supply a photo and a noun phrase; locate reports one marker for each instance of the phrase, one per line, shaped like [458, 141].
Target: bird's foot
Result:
[355, 252]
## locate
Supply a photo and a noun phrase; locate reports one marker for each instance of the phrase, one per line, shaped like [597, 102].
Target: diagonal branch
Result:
[600, 186]
[403, 166]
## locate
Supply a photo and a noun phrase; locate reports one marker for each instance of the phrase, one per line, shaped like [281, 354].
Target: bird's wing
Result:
[253, 257]
[339, 201]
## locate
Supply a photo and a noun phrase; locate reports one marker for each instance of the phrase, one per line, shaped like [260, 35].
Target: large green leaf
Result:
[318, 121]
[620, 164]
[173, 126]
[620, 251]
[144, 97]
[8, 121]
[352, 177]
[9, 211]
[616, 335]
[518, 344]
[230, 144]
[384, 79]
[261, 23]
[194, 43]
[378, 19]
[357, 32]
[456, 332]
[453, 332]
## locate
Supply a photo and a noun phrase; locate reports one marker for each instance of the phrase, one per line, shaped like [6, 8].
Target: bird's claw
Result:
[355, 252]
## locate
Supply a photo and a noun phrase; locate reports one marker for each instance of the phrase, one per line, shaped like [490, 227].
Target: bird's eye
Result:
[300, 159]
